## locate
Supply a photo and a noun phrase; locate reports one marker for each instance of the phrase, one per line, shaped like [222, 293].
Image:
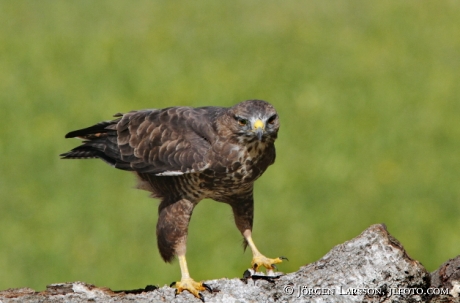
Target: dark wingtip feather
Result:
[96, 130]
[70, 135]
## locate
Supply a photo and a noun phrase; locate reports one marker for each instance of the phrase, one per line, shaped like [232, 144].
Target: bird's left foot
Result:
[260, 260]
[192, 286]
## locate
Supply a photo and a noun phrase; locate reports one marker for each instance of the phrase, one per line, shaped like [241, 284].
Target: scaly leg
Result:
[172, 227]
[243, 210]
[187, 283]
[259, 260]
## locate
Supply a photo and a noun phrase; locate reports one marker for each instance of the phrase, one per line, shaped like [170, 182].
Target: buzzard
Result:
[183, 155]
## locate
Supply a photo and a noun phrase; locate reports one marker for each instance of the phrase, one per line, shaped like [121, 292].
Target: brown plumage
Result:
[183, 155]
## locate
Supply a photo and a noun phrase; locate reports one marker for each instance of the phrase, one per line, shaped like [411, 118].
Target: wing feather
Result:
[166, 142]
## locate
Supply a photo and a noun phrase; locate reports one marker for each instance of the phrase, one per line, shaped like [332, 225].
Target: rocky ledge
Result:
[373, 267]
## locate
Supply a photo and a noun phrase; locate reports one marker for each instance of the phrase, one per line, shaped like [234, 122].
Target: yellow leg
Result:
[259, 260]
[187, 283]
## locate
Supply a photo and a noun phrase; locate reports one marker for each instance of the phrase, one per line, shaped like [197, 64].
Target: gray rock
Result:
[373, 267]
[447, 276]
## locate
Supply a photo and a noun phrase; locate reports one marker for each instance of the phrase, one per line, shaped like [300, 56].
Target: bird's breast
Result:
[236, 170]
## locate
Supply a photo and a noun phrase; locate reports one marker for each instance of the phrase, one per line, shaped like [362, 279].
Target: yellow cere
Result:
[258, 124]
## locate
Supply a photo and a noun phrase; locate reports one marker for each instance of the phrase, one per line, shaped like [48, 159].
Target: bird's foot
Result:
[192, 286]
[260, 260]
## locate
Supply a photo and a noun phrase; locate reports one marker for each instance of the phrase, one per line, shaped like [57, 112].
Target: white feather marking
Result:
[170, 173]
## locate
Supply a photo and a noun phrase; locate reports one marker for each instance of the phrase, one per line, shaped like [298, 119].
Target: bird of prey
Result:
[183, 155]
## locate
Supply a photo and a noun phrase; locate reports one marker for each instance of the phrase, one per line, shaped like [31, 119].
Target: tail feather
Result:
[92, 149]
[100, 141]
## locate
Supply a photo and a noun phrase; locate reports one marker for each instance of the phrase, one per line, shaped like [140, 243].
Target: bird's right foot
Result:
[192, 286]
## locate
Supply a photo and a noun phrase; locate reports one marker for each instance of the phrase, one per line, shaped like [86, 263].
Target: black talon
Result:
[283, 258]
[255, 267]
[247, 274]
[208, 288]
[172, 284]
[274, 267]
[201, 297]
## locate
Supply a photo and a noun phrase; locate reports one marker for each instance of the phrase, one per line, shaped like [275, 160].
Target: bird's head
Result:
[253, 120]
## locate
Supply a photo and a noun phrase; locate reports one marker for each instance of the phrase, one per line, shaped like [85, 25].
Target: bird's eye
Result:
[271, 120]
[241, 121]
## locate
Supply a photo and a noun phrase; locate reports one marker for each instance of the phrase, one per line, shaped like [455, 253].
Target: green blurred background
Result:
[368, 95]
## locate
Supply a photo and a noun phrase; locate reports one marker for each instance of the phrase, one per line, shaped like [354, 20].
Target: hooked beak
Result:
[258, 128]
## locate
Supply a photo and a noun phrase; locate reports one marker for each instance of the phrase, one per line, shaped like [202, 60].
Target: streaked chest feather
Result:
[238, 170]
[232, 173]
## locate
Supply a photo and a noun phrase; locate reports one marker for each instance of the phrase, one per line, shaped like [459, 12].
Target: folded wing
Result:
[171, 141]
